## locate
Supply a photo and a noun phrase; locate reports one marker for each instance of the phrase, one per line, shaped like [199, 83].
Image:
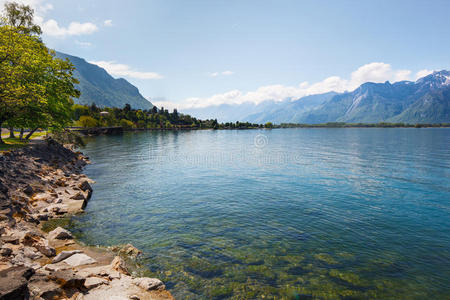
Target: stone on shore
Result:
[79, 259]
[14, 282]
[92, 282]
[59, 234]
[64, 254]
[119, 265]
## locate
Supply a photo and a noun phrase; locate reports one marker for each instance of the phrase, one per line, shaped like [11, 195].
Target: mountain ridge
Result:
[99, 87]
[426, 100]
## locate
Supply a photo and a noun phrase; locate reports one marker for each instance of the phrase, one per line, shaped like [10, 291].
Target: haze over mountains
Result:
[98, 87]
[426, 100]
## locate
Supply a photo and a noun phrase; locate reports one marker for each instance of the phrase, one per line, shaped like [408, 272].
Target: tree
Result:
[36, 89]
[87, 122]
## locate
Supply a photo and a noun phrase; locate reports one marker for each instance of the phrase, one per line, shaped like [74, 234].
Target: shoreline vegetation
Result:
[41, 185]
[93, 120]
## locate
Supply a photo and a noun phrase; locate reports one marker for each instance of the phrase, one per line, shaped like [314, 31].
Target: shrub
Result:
[125, 124]
[87, 121]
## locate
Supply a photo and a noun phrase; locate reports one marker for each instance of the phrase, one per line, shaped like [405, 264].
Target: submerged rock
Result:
[149, 284]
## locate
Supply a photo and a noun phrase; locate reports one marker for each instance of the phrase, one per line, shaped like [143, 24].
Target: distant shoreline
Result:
[119, 130]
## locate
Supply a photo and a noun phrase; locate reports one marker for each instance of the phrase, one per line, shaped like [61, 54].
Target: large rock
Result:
[149, 284]
[14, 283]
[67, 278]
[10, 240]
[65, 254]
[45, 248]
[78, 196]
[41, 287]
[59, 234]
[57, 266]
[79, 259]
[92, 282]
[85, 186]
[31, 237]
[119, 265]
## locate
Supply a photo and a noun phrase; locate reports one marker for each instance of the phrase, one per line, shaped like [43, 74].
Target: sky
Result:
[183, 53]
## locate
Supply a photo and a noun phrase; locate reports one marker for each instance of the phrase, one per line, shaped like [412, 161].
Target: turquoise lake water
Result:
[283, 213]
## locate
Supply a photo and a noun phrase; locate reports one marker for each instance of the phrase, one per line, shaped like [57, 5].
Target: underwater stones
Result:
[79, 259]
[127, 250]
[326, 258]
[149, 284]
[59, 234]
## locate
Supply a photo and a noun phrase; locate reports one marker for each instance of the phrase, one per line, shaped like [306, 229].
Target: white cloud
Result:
[423, 73]
[124, 70]
[52, 28]
[224, 73]
[108, 23]
[373, 72]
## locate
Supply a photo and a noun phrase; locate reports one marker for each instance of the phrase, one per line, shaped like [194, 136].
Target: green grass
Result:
[11, 144]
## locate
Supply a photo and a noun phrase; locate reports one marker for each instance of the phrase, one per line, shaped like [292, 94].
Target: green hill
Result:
[97, 86]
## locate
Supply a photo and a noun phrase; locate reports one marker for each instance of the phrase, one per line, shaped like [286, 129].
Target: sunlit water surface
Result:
[283, 213]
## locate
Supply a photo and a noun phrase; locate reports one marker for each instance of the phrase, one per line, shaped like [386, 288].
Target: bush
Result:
[87, 121]
[125, 124]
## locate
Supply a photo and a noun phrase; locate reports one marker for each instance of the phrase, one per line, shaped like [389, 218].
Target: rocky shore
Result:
[45, 181]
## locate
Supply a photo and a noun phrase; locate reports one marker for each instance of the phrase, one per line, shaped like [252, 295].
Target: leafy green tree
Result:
[36, 89]
[87, 122]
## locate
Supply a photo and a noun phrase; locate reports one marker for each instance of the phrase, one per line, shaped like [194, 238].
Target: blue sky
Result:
[198, 53]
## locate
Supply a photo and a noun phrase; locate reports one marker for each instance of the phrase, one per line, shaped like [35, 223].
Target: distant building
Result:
[104, 113]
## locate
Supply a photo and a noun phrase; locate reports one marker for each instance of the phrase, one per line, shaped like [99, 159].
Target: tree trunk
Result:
[1, 141]
[21, 134]
[30, 134]
[11, 133]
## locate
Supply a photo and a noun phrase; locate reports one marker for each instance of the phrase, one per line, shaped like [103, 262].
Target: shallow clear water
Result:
[283, 213]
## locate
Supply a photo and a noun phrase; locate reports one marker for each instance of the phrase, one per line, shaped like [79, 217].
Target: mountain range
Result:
[99, 87]
[426, 100]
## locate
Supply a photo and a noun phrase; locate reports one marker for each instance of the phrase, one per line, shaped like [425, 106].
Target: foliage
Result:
[68, 137]
[87, 121]
[36, 88]
[126, 124]
[129, 118]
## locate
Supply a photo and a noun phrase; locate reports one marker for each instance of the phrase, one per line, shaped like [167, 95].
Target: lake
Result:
[282, 213]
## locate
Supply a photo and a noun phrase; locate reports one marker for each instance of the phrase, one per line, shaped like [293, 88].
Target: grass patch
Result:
[11, 144]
